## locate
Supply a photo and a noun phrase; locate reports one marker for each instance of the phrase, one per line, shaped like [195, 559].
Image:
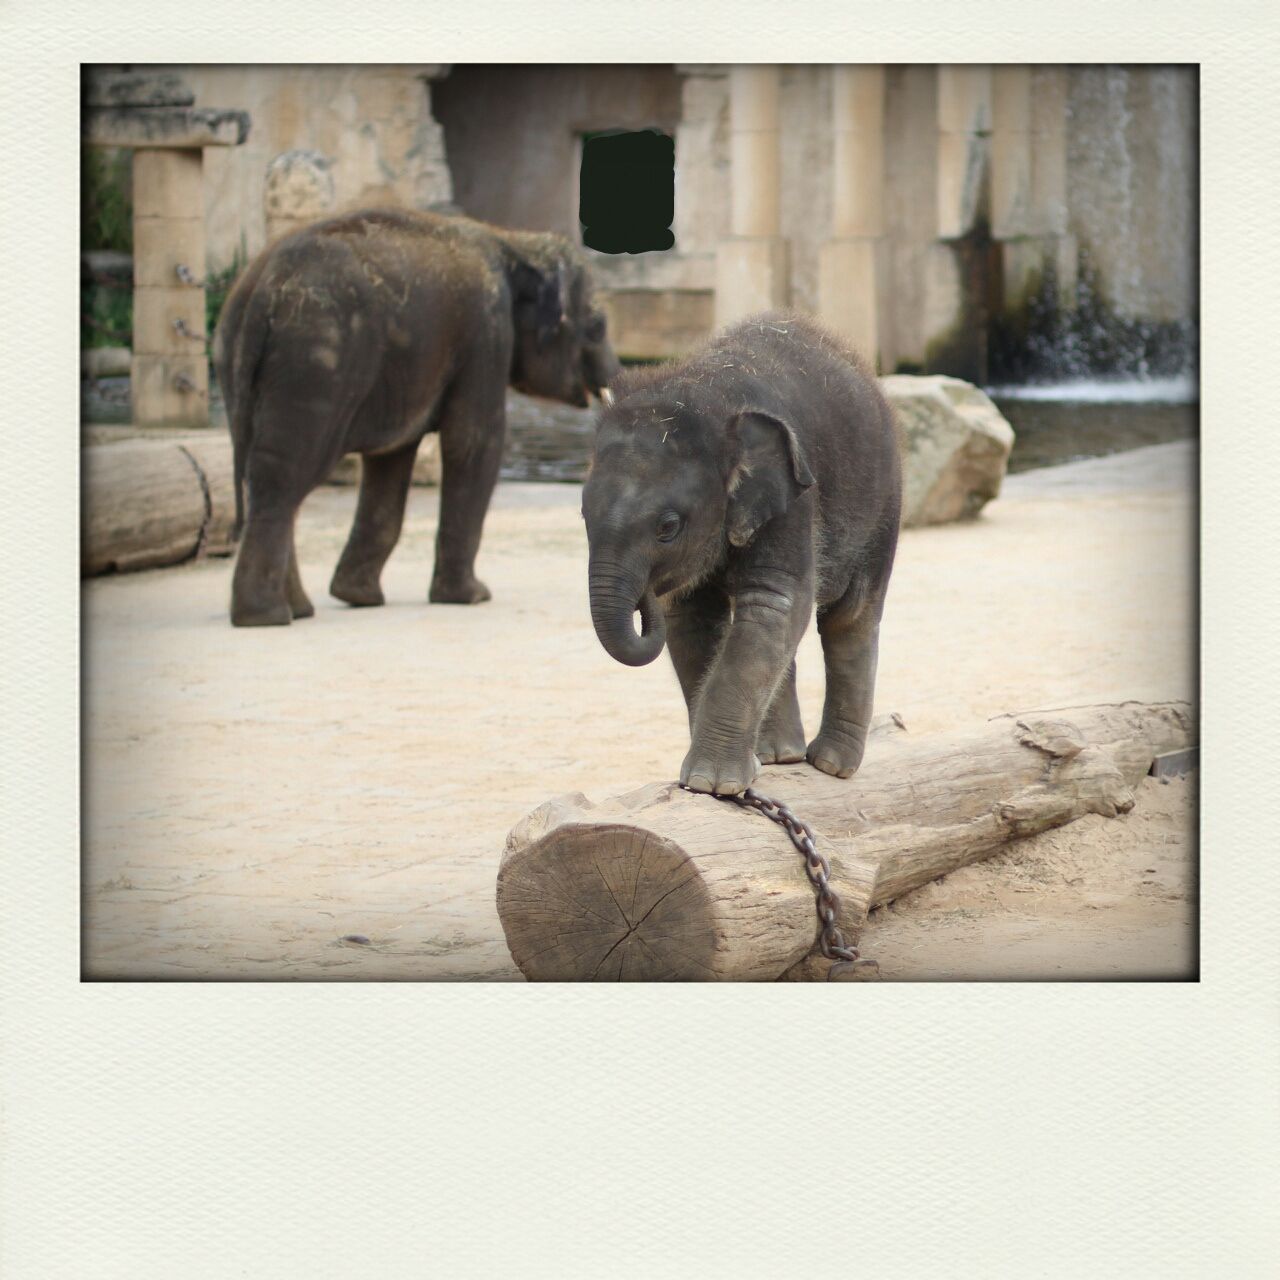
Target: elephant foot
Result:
[722, 777]
[837, 754]
[780, 744]
[356, 591]
[246, 615]
[302, 608]
[467, 591]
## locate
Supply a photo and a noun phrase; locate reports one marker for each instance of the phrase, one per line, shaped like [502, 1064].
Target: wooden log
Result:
[660, 884]
[155, 502]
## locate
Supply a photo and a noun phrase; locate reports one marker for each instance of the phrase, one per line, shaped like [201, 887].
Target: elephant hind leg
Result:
[260, 594]
[299, 603]
[384, 490]
[850, 645]
[781, 737]
[266, 588]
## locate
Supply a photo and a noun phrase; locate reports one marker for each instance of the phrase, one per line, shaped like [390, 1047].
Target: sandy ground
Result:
[252, 796]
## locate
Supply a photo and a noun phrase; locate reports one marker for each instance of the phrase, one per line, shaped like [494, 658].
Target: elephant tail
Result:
[242, 340]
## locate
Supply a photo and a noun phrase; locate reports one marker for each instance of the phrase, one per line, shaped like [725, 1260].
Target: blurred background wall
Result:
[1004, 224]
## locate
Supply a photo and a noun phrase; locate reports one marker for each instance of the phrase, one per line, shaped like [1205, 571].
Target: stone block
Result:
[962, 163]
[170, 390]
[168, 184]
[1011, 98]
[136, 89]
[964, 99]
[179, 127]
[161, 245]
[649, 324]
[1011, 184]
[156, 316]
[849, 292]
[857, 183]
[751, 276]
[955, 444]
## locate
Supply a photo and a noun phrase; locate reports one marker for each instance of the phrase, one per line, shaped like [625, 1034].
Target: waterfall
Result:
[1129, 317]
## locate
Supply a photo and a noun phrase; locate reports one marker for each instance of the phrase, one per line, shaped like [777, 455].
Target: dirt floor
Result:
[252, 796]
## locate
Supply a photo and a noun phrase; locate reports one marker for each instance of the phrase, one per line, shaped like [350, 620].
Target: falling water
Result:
[1125, 327]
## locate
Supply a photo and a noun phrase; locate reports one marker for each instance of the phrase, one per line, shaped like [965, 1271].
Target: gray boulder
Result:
[956, 445]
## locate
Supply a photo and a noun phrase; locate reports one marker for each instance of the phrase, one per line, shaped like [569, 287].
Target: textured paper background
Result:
[922, 1130]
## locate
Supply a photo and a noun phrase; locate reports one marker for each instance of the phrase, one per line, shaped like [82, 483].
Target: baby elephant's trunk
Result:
[616, 593]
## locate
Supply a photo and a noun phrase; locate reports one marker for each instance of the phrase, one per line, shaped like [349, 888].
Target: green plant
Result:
[218, 284]
[106, 315]
[106, 200]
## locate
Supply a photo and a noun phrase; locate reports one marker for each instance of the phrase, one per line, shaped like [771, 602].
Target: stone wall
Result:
[1102, 171]
[1132, 177]
[374, 124]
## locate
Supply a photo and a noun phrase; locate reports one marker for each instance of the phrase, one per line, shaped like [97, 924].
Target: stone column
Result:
[153, 115]
[964, 125]
[1028, 181]
[751, 264]
[849, 267]
[954, 294]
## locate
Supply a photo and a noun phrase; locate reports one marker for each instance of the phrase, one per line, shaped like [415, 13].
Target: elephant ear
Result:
[769, 473]
[543, 291]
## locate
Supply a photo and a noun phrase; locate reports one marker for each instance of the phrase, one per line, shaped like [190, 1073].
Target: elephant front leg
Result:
[696, 627]
[767, 624]
[850, 648]
[384, 490]
[470, 452]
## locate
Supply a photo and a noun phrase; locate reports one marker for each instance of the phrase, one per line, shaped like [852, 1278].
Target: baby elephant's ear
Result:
[769, 473]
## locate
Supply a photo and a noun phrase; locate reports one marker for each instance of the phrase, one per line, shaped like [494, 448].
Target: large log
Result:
[155, 502]
[660, 884]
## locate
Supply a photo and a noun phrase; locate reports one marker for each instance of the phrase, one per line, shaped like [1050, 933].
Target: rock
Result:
[298, 191]
[105, 362]
[956, 444]
[106, 266]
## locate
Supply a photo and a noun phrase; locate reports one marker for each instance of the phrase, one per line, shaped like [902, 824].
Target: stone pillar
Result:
[297, 192]
[169, 374]
[964, 125]
[955, 265]
[751, 264]
[850, 270]
[1028, 181]
[153, 115]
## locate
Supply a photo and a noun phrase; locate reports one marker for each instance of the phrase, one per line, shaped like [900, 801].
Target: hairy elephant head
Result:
[562, 345]
[670, 491]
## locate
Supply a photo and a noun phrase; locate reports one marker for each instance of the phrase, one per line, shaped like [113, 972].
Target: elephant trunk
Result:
[616, 593]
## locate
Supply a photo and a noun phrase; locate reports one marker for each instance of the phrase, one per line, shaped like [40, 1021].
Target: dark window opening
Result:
[627, 191]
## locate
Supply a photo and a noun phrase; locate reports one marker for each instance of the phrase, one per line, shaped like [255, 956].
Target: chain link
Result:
[830, 939]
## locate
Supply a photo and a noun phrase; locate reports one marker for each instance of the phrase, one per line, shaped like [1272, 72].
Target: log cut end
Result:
[605, 903]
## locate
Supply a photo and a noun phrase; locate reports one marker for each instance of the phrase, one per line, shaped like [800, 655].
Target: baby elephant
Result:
[736, 489]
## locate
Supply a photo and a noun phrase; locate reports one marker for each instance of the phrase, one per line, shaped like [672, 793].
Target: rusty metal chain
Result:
[830, 939]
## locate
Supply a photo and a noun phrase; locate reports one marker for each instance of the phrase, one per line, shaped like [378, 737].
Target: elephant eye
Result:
[668, 526]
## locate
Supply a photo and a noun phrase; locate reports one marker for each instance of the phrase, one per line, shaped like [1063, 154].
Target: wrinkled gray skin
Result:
[363, 333]
[728, 495]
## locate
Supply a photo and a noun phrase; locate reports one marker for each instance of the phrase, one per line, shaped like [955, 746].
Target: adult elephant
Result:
[363, 333]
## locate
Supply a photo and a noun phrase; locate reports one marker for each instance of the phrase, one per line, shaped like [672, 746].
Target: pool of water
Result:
[1052, 430]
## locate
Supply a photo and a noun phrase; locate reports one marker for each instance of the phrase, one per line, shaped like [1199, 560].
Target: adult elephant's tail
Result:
[238, 345]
